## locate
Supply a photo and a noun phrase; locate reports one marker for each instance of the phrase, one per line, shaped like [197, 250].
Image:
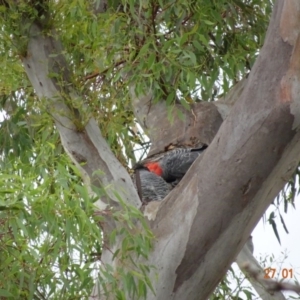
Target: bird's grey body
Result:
[177, 162]
[152, 186]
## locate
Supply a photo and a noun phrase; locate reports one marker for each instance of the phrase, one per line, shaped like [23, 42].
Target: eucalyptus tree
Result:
[82, 83]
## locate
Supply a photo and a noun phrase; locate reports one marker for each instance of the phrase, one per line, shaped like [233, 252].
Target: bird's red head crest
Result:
[154, 167]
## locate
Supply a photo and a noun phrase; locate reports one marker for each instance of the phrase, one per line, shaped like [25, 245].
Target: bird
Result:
[171, 165]
[156, 176]
[150, 186]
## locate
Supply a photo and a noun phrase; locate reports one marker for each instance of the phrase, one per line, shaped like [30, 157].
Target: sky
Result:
[286, 255]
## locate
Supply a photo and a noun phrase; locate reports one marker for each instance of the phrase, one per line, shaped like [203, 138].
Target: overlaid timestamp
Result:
[285, 273]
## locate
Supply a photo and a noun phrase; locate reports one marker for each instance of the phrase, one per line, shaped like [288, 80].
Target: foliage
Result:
[50, 235]
[233, 286]
[46, 236]
[136, 242]
[285, 199]
[181, 50]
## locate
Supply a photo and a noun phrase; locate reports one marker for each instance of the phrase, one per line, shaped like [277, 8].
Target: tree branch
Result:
[83, 142]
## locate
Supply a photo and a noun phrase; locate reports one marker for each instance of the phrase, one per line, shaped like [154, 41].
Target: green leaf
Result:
[273, 224]
[170, 98]
[207, 22]
[283, 223]
[5, 293]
